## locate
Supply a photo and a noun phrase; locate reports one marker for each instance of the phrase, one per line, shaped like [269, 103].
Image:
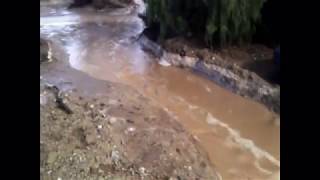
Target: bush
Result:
[218, 22]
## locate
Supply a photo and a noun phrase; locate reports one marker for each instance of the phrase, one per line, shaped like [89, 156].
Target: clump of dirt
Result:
[110, 133]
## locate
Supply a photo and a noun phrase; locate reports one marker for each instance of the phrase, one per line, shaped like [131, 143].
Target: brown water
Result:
[240, 136]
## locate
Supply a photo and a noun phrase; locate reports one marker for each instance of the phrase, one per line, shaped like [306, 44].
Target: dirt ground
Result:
[92, 129]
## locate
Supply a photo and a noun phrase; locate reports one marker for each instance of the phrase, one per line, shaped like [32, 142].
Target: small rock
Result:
[43, 100]
[130, 121]
[142, 171]
[91, 106]
[90, 139]
[131, 129]
[182, 52]
[113, 120]
[59, 178]
[172, 178]
[52, 157]
[99, 126]
[112, 102]
[115, 155]
[103, 113]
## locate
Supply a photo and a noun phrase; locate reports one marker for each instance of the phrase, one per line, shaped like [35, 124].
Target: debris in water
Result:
[208, 89]
[191, 107]
[211, 120]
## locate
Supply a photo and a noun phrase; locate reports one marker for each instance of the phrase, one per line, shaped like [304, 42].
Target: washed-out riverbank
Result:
[241, 137]
[226, 73]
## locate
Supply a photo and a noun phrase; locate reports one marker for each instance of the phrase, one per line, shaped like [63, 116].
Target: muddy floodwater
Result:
[241, 137]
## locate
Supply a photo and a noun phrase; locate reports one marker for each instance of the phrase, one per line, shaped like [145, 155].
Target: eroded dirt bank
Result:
[92, 129]
[234, 75]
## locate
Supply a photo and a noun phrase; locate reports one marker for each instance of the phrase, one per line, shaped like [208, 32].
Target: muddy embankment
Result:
[227, 74]
[104, 130]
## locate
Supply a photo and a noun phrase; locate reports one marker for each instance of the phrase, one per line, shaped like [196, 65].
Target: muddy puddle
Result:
[241, 137]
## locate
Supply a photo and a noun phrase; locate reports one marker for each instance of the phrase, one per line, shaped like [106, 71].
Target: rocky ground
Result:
[248, 71]
[92, 129]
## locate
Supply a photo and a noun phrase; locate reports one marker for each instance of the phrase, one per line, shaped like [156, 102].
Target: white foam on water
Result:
[49, 53]
[258, 166]
[208, 89]
[192, 107]
[275, 176]
[141, 6]
[163, 62]
[244, 143]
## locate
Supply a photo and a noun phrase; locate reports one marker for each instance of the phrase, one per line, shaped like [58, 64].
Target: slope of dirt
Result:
[92, 129]
[255, 58]
[229, 72]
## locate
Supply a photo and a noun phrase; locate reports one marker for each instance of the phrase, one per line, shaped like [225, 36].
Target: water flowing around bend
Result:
[239, 135]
